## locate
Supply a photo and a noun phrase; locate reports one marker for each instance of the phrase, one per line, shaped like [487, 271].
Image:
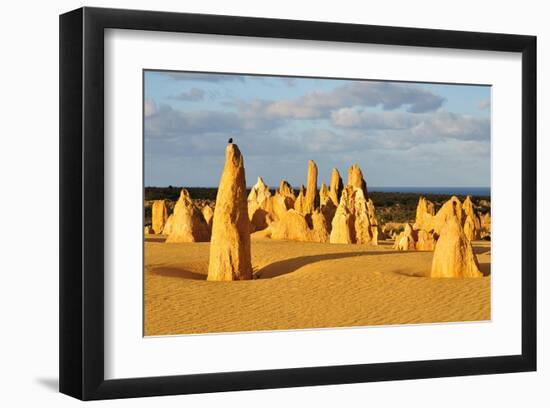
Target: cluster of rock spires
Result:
[448, 233]
[428, 225]
[187, 223]
[337, 214]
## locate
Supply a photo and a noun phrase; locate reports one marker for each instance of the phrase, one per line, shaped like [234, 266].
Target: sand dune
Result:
[305, 285]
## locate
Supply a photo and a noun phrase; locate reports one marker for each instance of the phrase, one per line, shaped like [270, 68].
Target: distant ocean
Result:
[473, 191]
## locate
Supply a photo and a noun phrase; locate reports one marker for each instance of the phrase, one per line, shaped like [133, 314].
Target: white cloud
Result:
[423, 127]
[321, 104]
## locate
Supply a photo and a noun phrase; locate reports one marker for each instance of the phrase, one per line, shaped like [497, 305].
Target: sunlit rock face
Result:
[454, 256]
[187, 223]
[230, 257]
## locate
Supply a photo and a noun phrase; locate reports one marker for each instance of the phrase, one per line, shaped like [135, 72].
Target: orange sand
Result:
[305, 285]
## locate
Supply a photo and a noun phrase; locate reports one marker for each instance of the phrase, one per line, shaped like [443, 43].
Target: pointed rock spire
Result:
[159, 215]
[324, 195]
[453, 256]
[188, 224]
[310, 201]
[260, 206]
[336, 186]
[230, 257]
[472, 223]
[355, 179]
[299, 204]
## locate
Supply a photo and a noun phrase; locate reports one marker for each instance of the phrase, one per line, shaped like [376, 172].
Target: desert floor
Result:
[305, 285]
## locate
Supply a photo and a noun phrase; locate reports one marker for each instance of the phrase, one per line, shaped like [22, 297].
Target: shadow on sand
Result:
[152, 238]
[274, 269]
[291, 265]
[178, 273]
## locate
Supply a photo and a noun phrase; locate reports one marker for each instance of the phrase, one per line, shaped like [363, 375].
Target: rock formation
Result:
[425, 211]
[324, 195]
[392, 229]
[425, 241]
[208, 214]
[434, 223]
[230, 257]
[342, 231]
[414, 239]
[472, 224]
[282, 200]
[406, 240]
[453, 256]
[335, 187]
[485, 222]
[355, 179]
[159, 215]
[362, 221]
[188, 224]
[376, 232]
[285, 190]
[260, 206]
[167, 230]
[321, 227]
[326, 203]
[299, 204]
[355, 217]
[310, 200]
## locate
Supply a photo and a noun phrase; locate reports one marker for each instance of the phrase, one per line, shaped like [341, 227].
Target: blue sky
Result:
[401, 134]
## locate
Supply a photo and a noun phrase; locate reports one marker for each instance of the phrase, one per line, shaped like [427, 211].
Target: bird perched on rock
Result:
[230, 140]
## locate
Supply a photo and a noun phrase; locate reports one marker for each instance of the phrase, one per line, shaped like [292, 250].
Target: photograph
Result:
[287, 203]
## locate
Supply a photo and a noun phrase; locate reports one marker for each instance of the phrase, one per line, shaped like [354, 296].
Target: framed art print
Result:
[256, 203]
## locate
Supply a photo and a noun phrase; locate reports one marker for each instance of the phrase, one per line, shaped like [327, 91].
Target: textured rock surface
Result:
[485, 222]
[324, 195]
[453, 255]
[167, 230]
[260, 206]
[355, 213]
[335, 187]
[229, 257]
[472, 223]
[188, 224]
[285, 190]
[425, 211]
[355, 179]
[425, 241]
[292, 226]
[362, 221]
[310, 200]
[376, 231]
[282, 200]
[427, 222]
[321, 227]
[299, 204]
[208, 214]
[159, 215]
[406, 240]
[342, 231]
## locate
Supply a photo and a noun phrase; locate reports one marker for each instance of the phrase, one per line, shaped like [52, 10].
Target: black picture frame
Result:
[81, 365]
